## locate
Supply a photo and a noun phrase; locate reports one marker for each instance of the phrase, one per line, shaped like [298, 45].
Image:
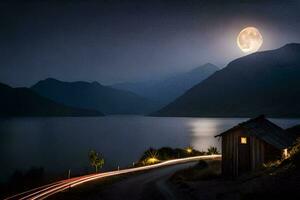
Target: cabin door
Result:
[244, 164]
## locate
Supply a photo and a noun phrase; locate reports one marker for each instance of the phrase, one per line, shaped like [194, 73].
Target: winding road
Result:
[151, 185]
[51, 189]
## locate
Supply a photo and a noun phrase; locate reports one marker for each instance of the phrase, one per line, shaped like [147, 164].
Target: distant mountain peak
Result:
[50, 79]
[93, 95]
[291, 45]
[167, 90]
[206, 66]
[95, 83]
[25, 102]
[54, 80]
[209, 65]
[263, 82]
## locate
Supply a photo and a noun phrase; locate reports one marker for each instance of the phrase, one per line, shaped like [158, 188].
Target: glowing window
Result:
[243, 140]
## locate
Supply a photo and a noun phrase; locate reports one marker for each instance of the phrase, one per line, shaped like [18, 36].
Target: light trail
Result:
[51, 189]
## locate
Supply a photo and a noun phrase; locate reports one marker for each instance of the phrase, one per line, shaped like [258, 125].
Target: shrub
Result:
[212, 150]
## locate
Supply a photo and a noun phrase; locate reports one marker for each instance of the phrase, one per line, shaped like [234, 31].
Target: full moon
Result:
[249, 40]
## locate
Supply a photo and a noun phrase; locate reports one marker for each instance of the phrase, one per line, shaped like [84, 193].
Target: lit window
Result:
[243, 140]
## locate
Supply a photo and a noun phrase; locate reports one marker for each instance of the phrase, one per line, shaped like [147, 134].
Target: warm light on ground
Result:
[189, 150]
[285, 154]
[152, 160]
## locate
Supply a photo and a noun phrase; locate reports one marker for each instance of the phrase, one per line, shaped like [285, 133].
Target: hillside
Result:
[94, 96]
[277, 180]
[166, 90]
[25, 102]
[263, 82]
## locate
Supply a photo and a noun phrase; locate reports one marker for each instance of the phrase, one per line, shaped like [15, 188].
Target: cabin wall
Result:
[230, 154]
[260, 152]
[257, 152]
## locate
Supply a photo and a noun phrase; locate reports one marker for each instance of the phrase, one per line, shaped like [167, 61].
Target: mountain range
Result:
[166, 90]
[94, 96]
[266, 82]
[25, 102]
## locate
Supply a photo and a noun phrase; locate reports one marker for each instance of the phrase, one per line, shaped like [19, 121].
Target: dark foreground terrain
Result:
[153, 184]
[278, 180]
[202, 180]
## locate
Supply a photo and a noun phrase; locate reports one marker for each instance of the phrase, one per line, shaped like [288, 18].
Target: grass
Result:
[203, 170]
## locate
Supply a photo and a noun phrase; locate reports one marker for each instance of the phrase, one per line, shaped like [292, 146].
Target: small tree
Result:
[95, 160]
[212, 150]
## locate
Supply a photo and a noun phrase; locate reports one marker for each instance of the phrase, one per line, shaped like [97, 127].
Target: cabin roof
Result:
[265, 130]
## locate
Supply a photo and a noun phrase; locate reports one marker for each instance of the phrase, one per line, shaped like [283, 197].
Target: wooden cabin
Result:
[248, 145]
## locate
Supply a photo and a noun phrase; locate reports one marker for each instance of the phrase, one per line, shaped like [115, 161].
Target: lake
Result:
[59, 144]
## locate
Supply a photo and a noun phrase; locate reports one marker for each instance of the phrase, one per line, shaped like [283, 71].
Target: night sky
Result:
[115, 41]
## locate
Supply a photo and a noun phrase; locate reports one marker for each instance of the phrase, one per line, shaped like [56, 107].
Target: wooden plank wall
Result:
[230, 143]
[229, 154]
[257, 149]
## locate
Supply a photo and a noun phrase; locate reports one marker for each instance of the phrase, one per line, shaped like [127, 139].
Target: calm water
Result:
[59, 144]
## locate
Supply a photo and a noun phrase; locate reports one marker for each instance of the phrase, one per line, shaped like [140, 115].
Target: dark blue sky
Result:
[113, 41]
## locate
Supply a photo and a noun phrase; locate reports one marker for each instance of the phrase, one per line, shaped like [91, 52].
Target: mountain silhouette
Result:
[25, 102]
[94, 96]
[263, 82]
[166, 90]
